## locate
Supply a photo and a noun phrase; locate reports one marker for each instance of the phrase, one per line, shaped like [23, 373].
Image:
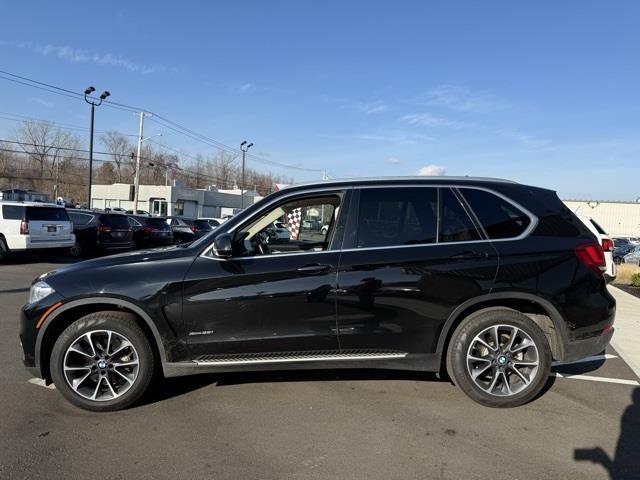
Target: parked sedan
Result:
[633, 257]
[99, 232]
[619, 251]
[150, 232]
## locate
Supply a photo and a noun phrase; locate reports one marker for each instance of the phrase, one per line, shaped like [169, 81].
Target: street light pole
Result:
[94, 103]
[244, 147]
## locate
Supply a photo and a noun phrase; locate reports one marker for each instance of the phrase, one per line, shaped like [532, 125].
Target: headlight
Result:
[39, 290]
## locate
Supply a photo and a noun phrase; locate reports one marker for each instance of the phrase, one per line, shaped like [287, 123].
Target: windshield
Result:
[115, 220]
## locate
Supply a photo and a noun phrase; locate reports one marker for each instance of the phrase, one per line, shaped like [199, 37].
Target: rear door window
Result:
[499, 217]
[397, 216]
[455, 223]
[46, 214]
[115, 221]
[12, 212]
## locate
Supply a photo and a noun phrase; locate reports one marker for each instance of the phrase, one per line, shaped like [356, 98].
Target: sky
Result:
[545, 93]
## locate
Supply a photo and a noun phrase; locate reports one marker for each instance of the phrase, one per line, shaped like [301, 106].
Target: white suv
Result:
[33, 226]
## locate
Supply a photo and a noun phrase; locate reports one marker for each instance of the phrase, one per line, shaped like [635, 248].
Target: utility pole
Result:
[244, 147]
[137, 178]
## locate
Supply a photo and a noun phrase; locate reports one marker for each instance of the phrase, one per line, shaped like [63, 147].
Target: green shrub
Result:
[635, 280]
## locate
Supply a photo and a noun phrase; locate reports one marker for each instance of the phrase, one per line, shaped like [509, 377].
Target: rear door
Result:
[411, 256]
[48, 224]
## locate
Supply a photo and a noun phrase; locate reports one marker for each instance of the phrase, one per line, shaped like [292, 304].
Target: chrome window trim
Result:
[526, 232]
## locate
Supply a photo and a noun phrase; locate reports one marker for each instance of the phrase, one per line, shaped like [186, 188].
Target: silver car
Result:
[633, 257]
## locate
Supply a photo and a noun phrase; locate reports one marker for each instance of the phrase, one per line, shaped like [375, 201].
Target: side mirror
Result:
[222, 246]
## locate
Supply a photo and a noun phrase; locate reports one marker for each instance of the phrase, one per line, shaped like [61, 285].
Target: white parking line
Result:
[592, 358]
[40, 382]
[595, 379]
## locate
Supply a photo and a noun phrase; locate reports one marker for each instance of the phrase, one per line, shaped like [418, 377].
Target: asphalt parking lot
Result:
[321, 424]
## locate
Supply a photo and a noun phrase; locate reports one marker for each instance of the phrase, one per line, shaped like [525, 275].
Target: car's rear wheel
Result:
[4, 250]
[76, 250]
[102, 361]
[499, 358]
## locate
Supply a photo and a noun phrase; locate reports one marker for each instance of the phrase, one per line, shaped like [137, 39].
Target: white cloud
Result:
[462, 99]
[393, 161]
[432, 171]
[245, 87]
[429, 120]
[76, 55]
[40, 101]
[396, 138]
[370, 108]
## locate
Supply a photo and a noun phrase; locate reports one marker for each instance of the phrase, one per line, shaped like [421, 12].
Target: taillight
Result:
[104, 228]
[24, 228]
[592, 256]
[148, 230]
[194, 229]
[607, 245]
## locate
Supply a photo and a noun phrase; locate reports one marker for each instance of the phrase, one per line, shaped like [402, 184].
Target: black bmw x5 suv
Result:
[487, 280]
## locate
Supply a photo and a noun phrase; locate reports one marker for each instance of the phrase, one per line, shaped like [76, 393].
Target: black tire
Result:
[77, 251]
[4, 250]
[460, 345]
[121, 323]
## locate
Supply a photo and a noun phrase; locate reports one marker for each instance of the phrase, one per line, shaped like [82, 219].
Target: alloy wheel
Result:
[101, 365]
[502, 360]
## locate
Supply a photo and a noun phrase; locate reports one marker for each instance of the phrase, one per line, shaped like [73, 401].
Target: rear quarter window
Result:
[499, 217]
[12, 212]
[80, 218]
[46, 214]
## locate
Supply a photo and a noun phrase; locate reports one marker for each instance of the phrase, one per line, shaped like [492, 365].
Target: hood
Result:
[118, 268]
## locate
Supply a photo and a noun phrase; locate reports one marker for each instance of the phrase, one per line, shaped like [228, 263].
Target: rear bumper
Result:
[583, 348]
[115, 246]
[24, 242]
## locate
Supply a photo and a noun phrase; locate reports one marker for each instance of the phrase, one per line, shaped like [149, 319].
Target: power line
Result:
[64, 126]
[175, 126]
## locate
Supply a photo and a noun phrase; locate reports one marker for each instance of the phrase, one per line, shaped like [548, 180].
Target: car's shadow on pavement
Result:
[25, 258]
[166, 388]
[624, 464]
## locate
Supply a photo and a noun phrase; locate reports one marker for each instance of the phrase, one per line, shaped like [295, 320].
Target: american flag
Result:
[294, 219]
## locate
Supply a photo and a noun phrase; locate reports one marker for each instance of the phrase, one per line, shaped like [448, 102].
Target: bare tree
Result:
[120, 148]
[46, 145]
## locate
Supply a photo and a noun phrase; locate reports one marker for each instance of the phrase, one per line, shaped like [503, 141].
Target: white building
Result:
[619, 219]
[169, 200]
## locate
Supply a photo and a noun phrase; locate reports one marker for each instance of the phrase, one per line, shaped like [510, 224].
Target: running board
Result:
[287, 357]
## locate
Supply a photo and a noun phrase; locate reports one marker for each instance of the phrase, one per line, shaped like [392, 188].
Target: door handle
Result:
[313, 269]
[470, 256]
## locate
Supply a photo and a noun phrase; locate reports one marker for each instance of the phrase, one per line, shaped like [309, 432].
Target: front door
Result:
[273, 295]
[411, 256]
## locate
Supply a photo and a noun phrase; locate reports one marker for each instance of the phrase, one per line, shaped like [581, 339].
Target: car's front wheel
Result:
[102, 361]
[499, 358]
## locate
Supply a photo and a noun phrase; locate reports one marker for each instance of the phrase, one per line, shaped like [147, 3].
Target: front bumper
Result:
[30, 314]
